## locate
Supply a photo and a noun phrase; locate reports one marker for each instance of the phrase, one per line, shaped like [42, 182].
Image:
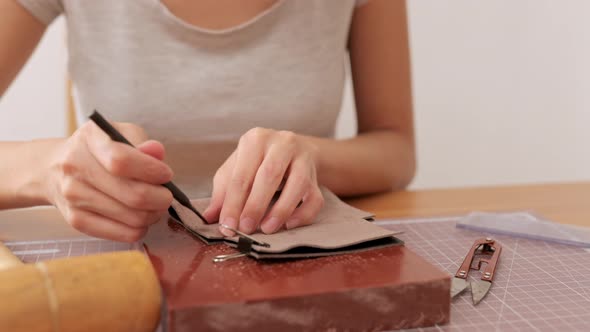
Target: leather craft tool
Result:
[381, 289]
[108, 292]
[7, 259]
[479, 288]
[116, 136]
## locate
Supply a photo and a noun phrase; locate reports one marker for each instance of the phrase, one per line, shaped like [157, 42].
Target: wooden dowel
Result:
[107, 292]
[7, 259]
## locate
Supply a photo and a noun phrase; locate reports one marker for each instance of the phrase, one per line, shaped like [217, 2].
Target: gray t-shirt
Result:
[199, 90]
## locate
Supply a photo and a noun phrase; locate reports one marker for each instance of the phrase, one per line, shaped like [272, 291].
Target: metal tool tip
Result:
[256, 242]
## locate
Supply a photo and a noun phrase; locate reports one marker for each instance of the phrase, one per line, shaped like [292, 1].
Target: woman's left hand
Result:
[247, 181]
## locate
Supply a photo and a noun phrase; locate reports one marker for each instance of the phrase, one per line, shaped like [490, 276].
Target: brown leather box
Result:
[380, 289]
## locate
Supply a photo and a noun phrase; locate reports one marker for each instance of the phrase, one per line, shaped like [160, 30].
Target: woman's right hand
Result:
[108, 189]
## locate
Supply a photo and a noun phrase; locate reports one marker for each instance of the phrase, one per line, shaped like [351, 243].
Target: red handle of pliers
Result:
[488, 274]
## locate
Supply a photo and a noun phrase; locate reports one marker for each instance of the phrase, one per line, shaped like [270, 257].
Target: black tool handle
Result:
[116, 136]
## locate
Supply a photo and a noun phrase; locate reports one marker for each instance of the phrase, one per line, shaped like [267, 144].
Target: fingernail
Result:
[271, 225]
[230, 222]
[292, 223]
[247, 225]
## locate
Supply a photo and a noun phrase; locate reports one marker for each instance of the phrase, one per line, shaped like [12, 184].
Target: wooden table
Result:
[562, 202]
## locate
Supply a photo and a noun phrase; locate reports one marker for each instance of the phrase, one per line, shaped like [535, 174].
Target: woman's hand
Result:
[245, 184]
[108, 189]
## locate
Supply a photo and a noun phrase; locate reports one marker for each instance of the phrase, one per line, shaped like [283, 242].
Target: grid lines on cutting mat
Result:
[538, 286]
[36, 251]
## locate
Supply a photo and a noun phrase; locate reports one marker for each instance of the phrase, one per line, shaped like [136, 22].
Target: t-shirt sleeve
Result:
[44, 10]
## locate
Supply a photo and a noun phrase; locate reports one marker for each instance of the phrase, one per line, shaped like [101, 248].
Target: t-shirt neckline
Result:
[217, 32]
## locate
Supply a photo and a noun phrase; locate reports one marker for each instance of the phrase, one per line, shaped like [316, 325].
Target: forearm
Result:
[370, 162]
[22, 171]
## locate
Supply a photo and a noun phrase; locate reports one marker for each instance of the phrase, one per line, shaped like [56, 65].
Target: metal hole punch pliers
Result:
[479, 288]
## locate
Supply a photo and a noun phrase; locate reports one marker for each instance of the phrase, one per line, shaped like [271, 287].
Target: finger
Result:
[268, 179]
[152, 148]
[299, 182]
[305, 214]
[248, 158]
[126, 161]
[134, 194]
[102, 227]
[220, 181]
[212, 211]
[80, 195]
[133, 133]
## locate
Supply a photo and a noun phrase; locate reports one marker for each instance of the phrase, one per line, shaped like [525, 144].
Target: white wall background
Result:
[501, 92]
[34, 105]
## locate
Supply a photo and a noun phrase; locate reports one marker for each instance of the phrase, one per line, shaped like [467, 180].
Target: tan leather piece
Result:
[190, 220]
[338, 225]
